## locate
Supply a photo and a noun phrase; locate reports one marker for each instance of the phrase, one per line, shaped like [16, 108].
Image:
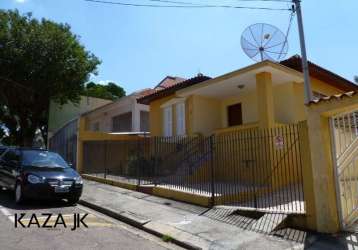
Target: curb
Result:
[135, 223]
[156, 191]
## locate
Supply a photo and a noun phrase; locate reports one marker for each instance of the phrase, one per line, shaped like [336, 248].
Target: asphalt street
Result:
[102, 232]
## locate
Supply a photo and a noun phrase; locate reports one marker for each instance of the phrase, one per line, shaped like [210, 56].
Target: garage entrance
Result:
[344, 129]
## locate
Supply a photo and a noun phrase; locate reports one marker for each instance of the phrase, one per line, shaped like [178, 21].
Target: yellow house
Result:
[253, 161]
[261, 95]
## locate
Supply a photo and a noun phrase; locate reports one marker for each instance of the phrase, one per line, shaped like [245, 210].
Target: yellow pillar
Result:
[307, 177]
[265, 104]
[327, 220]
[80, 129]
[266, 119]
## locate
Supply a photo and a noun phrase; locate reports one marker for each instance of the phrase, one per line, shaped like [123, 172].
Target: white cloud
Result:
[105, 82]
[20, 1]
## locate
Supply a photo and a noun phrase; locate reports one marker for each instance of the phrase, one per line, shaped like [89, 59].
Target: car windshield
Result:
[42, 159]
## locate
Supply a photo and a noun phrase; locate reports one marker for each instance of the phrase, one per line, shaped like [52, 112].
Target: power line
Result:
[280, 1]
[174, 2]
[292, 15]
[197, 6]
[193, 3]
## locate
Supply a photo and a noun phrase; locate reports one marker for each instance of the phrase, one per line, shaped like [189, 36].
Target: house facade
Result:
[126, 114]
[123, 115]
[263, 95]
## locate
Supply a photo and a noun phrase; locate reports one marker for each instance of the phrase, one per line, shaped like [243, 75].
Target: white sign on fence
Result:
[279, 143]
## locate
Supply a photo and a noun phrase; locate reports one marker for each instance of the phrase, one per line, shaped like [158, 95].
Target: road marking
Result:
[91, 220]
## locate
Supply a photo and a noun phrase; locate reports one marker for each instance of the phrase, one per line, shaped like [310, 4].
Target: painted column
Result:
[266, 119]
[307, 177]
[265, 103]
[135, 117]
[323, 172]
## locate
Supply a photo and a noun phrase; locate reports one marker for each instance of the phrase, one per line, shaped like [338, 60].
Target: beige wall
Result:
[289, 100]
[285, 104]
[249, 108]
[206, 115]
[61, 115]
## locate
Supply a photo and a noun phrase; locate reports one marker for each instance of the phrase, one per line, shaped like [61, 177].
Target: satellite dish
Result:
[263, 41]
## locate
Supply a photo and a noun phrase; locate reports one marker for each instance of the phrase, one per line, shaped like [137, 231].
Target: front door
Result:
[234, 113]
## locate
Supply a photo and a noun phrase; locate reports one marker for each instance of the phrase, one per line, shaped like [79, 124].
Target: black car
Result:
[2, 150]
[39, 174]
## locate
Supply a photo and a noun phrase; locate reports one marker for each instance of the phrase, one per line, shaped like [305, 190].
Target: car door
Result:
[10, 166]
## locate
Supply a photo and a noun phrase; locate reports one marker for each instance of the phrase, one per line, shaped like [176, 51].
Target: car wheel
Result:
[19, 194]
[73, 201]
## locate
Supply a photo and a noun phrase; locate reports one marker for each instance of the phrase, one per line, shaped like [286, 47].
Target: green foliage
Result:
[111, 91]
[40, 60]
[167, 238]
[356, 79]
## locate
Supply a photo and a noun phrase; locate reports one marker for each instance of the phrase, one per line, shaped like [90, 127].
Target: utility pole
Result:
[307, 82]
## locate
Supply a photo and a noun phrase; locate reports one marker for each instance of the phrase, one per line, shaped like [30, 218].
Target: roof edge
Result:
[172, 89]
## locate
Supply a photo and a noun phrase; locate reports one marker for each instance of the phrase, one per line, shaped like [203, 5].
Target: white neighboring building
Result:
[126, 114]
[123, 115]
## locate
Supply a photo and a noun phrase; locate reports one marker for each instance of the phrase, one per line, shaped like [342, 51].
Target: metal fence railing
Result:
[64, 142]
[252, 168]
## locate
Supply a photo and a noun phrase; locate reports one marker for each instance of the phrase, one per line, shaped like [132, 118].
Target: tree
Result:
[356, 79]
[110, 91]
[40, 60]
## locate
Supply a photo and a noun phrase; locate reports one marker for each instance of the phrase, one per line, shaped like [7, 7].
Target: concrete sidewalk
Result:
[194, 226]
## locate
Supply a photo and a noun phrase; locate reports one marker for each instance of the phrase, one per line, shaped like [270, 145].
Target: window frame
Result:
[96, 126]
[180, 118]
[228, 114]
[122, 122]
[168, 121]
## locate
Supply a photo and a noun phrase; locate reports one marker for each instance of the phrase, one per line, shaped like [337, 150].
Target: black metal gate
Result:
[254, 168]
[64, 142]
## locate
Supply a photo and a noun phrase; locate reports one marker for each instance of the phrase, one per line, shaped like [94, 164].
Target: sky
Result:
[139, 46]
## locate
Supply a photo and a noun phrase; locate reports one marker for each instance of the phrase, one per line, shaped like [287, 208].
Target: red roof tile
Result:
[322, 74]
[333, 97]
[144, 92]
[172, 89]
[169, 81]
